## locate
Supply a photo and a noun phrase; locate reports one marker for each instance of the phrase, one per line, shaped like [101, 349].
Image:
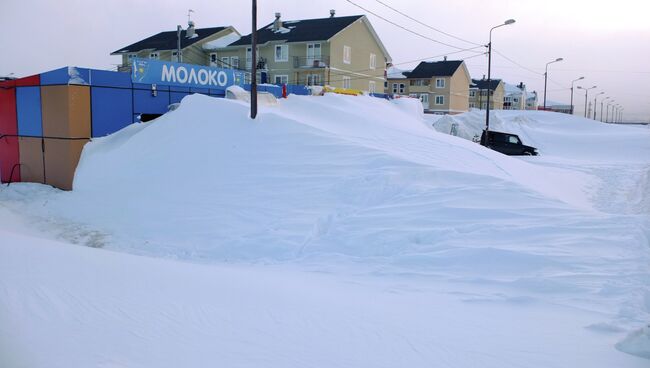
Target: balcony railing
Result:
[311, 62]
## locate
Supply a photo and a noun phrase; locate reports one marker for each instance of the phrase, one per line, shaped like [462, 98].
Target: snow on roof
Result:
[221, 41]
[395, 73]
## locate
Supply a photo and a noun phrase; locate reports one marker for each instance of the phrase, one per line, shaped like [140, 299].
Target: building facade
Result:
[342, 52]
[478, 94]
[442, 86]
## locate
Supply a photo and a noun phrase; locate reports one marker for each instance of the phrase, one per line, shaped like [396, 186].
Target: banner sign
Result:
[148, 71]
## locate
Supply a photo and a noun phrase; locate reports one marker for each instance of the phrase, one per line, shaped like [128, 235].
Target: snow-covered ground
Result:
[333, 231]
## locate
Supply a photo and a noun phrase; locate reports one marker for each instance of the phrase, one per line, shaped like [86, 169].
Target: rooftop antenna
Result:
[189, 14]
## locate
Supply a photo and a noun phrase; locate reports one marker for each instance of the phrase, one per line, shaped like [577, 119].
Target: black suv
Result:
[507, 143]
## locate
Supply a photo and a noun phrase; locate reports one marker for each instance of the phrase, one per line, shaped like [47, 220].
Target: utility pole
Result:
[254, 63]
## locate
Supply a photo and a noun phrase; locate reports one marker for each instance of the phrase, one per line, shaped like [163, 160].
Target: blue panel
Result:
[67, 75]
[179, 89]
[275, 90]
[177, 96]
[148, 87]
[111, 110]
[296, 89]
[144, 102]
[218, 93]
[103, 78]
[205, 91]
[28, 106]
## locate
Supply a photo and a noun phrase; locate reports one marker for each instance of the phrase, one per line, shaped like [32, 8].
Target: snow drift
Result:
[432, 247]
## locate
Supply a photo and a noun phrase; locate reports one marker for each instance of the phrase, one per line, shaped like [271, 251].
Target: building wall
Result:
[362, 44]
[459, 90]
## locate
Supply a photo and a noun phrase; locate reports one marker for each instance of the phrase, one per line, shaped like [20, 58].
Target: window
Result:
[347, 54]
[507, 99]
[314, 80]
[282, 53]
[419, 82]
[130, 57]
[472, 93]
[373, 61]
[313, 53]
[346, 82]
[472, 105]
[213, 59]
[395, 88]
[281, 79]
[249, 57]
[225, 62]
[425, 99]
[401, 88]
[440, 100]
[513, 139]
[440, 83]
[372, 87]
[234, 62]
[154, 55]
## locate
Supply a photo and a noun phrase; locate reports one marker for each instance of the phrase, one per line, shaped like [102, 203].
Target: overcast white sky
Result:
[607, 42]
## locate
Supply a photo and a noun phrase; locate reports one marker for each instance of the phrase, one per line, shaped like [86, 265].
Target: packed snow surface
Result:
[334, 231]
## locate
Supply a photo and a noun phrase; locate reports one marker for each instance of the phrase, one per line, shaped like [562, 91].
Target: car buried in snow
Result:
[508, 144]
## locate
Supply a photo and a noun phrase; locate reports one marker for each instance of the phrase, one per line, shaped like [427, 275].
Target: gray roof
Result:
[168, 40]
[300, 30]
[445, 68]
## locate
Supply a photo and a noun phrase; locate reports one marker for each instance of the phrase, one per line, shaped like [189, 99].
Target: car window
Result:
[513, 139]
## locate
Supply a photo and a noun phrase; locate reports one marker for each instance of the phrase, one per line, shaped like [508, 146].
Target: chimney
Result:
[445, 58]
[277, 24]
[332, 13]
[189, 33]
[483, 77]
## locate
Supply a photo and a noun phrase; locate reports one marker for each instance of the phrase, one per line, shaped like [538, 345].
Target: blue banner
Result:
[148, 71]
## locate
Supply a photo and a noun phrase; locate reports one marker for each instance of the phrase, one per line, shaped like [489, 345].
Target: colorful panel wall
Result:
[9, 148]
[28, 107]
[112, 110]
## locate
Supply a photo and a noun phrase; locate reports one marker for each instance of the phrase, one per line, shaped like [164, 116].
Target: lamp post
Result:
[610, 103]
[546, 77]
[601, 107]
[254, 60]
[595, 102]
[573, 81]
[586, 93]
[489, 82]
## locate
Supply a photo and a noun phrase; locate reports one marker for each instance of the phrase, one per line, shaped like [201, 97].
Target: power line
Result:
[426, 25]
[411, 31]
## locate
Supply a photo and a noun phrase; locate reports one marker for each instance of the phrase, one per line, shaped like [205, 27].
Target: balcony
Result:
[311, 62]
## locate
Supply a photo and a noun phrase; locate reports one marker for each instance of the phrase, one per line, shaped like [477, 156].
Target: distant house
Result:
[164, 45]
[342, 52]
[442, 86]
[478, 92]
[515, 96]
[531, 101]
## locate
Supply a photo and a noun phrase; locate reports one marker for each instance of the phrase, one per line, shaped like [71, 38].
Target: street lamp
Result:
[573, 81]
[601, 107]
[546, 77]
[595, 103]
[489, 81]
[610, 103]
[586, 93]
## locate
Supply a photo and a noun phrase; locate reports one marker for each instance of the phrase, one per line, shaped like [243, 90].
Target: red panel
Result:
[9, 149]
[32, 80]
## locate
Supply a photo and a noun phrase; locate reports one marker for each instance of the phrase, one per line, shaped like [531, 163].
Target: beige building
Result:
[478, 92]
[442, 86]
[342, 52]
[164, 45]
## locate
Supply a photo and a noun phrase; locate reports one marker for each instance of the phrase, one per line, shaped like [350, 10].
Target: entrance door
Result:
[313, 53]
